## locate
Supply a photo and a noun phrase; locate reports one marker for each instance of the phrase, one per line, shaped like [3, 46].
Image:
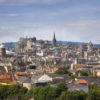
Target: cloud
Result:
[82, 30]
[71, 20]
[9, 14]
[27, 2]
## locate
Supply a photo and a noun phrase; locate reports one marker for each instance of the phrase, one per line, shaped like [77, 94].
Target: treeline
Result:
[12, 92]
[59, 92]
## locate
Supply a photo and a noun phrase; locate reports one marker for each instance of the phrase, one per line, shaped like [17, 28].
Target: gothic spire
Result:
[54, 39]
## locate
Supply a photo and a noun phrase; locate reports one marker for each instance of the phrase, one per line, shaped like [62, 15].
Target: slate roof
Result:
[24, 80]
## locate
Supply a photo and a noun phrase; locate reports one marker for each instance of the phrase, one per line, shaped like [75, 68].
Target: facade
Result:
[2, 51]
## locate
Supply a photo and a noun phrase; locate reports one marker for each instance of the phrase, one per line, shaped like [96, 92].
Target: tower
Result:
[54, 40]
[2, 51]
[90, 46]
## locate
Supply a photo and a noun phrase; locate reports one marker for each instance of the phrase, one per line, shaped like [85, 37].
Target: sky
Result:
[71, 20]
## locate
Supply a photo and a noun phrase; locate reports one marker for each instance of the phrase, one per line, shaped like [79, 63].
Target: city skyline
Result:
[71, 20]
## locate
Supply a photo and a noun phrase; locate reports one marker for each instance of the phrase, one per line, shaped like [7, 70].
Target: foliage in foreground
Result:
[60, 92]
[12, 92]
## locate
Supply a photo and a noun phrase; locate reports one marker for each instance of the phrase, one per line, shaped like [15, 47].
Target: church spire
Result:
[54, 39]
[54, 36]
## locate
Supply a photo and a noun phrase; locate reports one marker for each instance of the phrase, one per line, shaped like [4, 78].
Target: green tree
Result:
[73, 95]
[33, 93]
[94, 92]
[93, 95]
[83, 73]
[32, 66]
[41, 93]
[46, 93]
[13, 91]
[62, 71]
[3, 92]
[60, 88]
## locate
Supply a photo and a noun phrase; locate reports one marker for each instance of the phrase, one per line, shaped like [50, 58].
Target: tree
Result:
[73, 95]
[62, 71]
[93, 95]
[16, 91]
[46, 93]
[13, 91]
[60, 88]
[41, 93]
[33, 93]
[3, 92]
[32, 67]
[94, 92]
[83, 73]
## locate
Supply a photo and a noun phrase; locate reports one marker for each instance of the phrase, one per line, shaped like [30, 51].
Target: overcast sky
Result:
[71, 20]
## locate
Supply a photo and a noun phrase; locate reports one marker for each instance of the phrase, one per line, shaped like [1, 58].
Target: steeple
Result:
[54, 36]
[54, 40]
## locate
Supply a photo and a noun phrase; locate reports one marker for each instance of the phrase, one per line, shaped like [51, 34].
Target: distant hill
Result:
[12, 45]
[69, 42]
[76, 43]
[97, 45]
